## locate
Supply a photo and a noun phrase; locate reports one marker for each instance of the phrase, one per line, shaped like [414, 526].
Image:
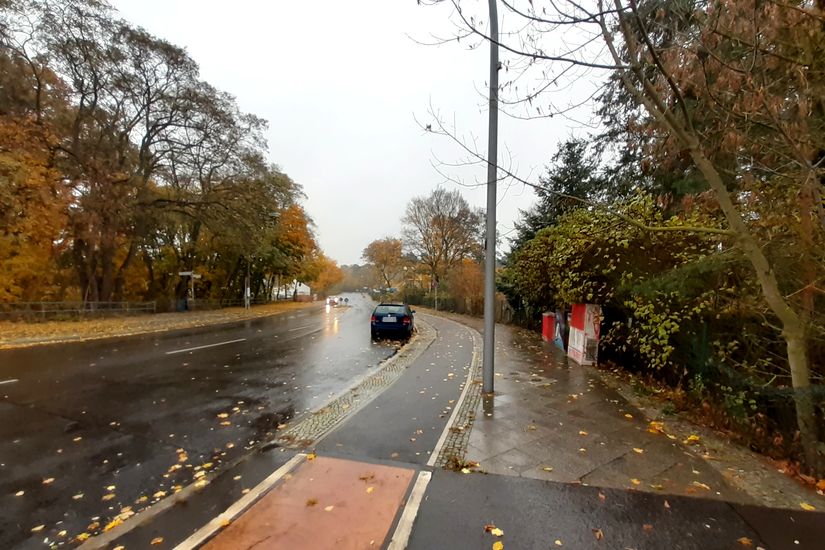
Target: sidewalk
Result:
[555, 420]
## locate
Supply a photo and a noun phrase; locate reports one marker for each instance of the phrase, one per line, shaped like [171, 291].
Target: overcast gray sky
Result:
[340, 83]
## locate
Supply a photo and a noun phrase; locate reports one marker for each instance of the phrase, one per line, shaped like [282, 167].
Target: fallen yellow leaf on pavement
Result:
[745, 541]
[701, 485]
[547, 468]
[691, 439]
[656, 427]
[635, 481]
[806, 506]
[370, 489]
[82, 536]
[558, 543]
[48, 480]
[311, 456]
[629, 416]
[19, 493]
[329, 508]
[582, 432]
[156, 541]
[112, 524]
[598, 534]
[38, 528]
[638, 450]
[498, 545]
[109, 496]
[820, 484]
[496, 532]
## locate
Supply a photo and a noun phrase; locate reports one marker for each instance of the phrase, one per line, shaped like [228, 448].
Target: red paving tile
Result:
[325, 503]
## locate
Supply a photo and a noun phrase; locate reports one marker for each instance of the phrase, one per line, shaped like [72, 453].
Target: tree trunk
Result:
[151, 287]
[806, 417]
[120, 278]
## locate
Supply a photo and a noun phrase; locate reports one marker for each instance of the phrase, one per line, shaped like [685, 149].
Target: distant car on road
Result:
[395, 318]
[333, 300]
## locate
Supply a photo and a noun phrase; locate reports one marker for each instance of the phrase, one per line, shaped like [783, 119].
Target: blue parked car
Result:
[392, 318]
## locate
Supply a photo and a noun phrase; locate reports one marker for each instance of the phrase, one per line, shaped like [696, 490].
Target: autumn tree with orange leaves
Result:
[387, 258]
[120, 167]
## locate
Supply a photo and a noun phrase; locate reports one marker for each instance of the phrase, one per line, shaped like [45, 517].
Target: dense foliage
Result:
[706, 245]
[120, 167]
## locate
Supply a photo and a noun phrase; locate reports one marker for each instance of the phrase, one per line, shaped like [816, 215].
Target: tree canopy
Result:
[121, 167]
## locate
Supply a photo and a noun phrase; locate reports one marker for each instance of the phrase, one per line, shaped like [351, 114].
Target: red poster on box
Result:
[585, 326]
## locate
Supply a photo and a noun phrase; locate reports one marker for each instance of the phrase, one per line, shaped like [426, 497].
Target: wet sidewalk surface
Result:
[555, 420]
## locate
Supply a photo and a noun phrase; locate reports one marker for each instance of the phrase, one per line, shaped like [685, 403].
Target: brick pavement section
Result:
[326, 503]
[311, 428]
[453, 452]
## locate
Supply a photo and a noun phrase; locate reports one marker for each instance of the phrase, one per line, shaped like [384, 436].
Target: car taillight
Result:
[373, 318]
[406, 320]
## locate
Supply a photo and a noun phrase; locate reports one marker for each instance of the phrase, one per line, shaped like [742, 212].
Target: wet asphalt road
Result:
[91, 428]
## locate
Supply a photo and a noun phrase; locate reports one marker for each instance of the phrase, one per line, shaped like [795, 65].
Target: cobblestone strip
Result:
[455, 446]
[318, 423]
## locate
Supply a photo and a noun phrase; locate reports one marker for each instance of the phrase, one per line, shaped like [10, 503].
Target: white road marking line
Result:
[301, 328]
[405, 524]
[9, 381]
[460, 401]
[206, 346]
[215, 524]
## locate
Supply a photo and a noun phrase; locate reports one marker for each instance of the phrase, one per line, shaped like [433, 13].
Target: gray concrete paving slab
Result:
[562, 416]
[536, 514]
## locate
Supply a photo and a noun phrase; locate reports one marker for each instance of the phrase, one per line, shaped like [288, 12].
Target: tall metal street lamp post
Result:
[490, 253]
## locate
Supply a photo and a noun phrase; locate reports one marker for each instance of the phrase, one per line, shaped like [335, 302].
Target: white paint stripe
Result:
[9, 381]
[460, 401]
[205, 533]
[206, 346]
[404, 528]
[302, 328]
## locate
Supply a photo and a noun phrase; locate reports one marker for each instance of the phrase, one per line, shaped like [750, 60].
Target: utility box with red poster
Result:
[585, 324]
[548, 326]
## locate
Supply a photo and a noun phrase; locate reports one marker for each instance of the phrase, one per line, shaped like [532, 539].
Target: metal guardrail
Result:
[50, 310]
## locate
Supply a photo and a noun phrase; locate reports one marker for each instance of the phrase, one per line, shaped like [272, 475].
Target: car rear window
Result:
[384, 310]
